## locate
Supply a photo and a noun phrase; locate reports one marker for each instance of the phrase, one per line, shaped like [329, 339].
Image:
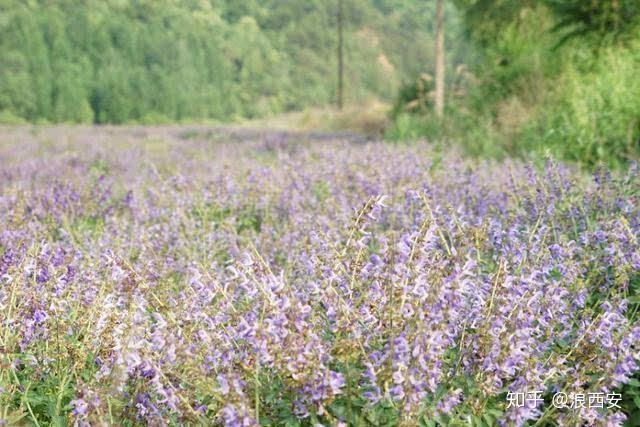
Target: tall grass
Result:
[578, 102]
[594, 115]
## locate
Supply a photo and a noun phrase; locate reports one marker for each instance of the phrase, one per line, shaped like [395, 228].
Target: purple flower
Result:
[43, 275]
[336, 382]
[39, 316]
[80, 407]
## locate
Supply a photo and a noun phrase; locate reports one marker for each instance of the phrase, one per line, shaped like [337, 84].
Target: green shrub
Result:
[414, 96]
[9, 118]
[407, 127]
[579, 102]
[604, 20]
[594, 116]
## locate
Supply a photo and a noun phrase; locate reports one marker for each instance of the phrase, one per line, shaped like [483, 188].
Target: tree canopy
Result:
[116, 61]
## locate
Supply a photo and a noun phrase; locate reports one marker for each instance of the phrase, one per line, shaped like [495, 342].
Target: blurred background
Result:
[521, 77]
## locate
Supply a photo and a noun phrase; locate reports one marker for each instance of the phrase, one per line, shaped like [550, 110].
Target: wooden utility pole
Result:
[340, 99]
[439, 72]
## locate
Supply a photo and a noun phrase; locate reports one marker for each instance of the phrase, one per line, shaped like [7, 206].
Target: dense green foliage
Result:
[523, 77]
[150, 61]
[550, 76]
[602, 19]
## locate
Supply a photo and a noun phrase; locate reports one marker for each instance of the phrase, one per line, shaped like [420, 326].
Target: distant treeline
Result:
[147, 61]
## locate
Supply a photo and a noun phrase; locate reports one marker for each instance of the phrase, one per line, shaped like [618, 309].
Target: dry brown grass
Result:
[369, 118]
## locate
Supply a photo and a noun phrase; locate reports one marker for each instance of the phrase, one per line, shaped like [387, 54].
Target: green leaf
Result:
[488, 418]
[634, 299]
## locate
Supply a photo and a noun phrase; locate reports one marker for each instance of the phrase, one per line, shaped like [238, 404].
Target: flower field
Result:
[189, 277]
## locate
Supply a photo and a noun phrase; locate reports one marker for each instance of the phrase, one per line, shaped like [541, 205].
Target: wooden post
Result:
[340, 100]
[440, 63]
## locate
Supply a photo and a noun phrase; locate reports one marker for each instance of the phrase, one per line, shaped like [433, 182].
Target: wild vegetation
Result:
[194, 275]
[524, 78]
[549, 77]
[164, 61]
[171, 276]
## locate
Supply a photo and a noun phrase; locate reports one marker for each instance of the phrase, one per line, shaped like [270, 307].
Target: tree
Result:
[604, 19]
[440, 64]
[120, 61]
